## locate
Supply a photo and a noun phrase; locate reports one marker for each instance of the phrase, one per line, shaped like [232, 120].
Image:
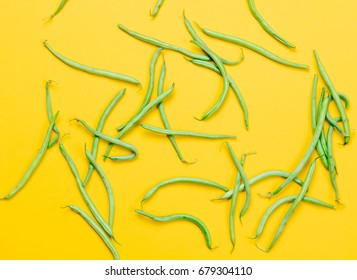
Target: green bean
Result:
[83, 191]
[335, 124]
[99, 128]
[184, 217]
[322, 140]
[244, 178]
[164, 119]
[310, 149]
[157, 8]
[178, 180]
[232, 84]
[91, 70]
[150, 86]
[335, 97]
[184, 132]
[132, 123]
[345, 99]
[252, 47]
[112, 141]
[282, 201]
[50, 114]
[266, 26]
[59, 8]
[107, 185]
[259, 177]
[332, 163]
[35, 162]
[319, 147]
[158, 43]
[294, 205]
[97, 229]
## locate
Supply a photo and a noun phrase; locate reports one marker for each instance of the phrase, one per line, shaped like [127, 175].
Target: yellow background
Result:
[33, 224]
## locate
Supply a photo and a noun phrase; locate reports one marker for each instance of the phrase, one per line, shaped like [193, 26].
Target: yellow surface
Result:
[33, 224]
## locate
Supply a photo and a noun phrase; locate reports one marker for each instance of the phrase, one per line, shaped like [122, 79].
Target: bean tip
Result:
[261, 249]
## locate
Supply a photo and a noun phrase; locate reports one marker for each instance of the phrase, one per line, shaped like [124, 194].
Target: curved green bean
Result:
[331, 161]
[178, 180]
[282, 201]
[83, 191]
[99, 128]
[335, 96]
[59, 8]
[184, 217]
[50, 115]
[35, 162]
[106, 183]
[184, 132]
[112, 140]
[132, 123]
[91, 70]
[266, 26]
[315, 139]
[97, 229]
[262, 176]
[232, 84]
[292, 208]
[252, 47]
[157, 8]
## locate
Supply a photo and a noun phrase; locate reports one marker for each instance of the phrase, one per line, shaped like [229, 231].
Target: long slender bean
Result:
[91, 70]
[50, 115]
[232, 84]
[132, 123]
[335, 96]
[184, 217]
[84, 193]
[244, 178]
[262, 176]
[332, 163]
[157, 8]
[282, 201]
[294, 205]
[184, 132]
[266, 26]
[112, 140]
[107, 185]
[310, 149]
[35, 162]
[59, 8]
[252, 47]
[179, 180]
[99, 128]
[97, 229]
[165, 121]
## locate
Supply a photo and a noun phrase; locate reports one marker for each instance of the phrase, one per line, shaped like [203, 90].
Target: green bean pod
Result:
[157, 8]
[50, 115]
[97, 229]
[183, 217]
[91, 70]
[266, 26]
[59, 8]
[178, 180]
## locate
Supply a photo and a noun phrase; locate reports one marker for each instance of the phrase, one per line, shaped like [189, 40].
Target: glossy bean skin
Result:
[50, 115]
[97, 229]
[335, 96]
[295, 203]
[133, 122]
[84, 193]
[35, 163]
[308, 153]
[258, 178]
[99, 128]
[91, 70]
[185, 133]
[179, 180]
[183, 217]
[107, 185]
[253, 47]
[266, 26]
[157, 8]
[287, 199]
[112, 140]
[232, 84]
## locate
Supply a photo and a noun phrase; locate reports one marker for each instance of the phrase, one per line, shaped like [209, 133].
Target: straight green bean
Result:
[50, 115]
[157, 8]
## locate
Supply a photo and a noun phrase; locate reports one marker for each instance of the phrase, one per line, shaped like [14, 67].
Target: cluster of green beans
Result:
[321, 141]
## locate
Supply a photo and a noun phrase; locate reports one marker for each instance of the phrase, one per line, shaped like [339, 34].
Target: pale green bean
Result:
[50, 115]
